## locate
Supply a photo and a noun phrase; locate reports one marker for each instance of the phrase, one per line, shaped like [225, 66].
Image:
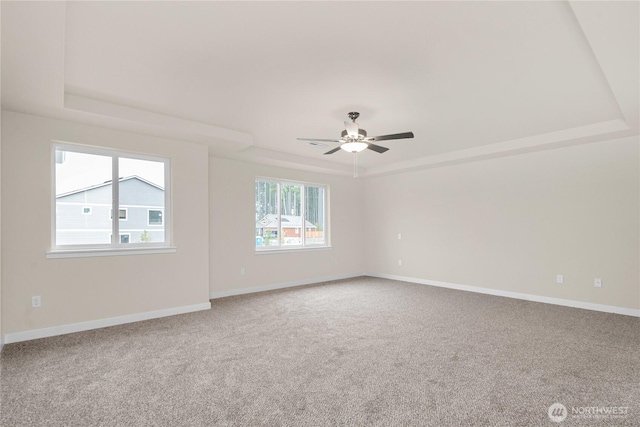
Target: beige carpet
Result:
[350, 353]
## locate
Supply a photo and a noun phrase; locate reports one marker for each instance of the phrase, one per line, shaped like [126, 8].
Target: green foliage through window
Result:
[283, 209]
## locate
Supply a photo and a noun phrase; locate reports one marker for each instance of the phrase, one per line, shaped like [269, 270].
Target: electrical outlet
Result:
[597, 282]
[243, 271]
[559, 278]
[399, 236]
[400, 262]
[36, 301]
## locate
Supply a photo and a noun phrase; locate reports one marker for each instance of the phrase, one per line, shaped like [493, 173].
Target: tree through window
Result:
[290, 214]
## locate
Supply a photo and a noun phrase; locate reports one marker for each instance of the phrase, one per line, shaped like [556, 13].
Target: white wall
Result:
[514, 223]
[509, 224]
[88, 289]
[232, 206]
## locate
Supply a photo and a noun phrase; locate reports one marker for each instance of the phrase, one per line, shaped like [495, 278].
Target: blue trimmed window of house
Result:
[90, 184]
[290, 215]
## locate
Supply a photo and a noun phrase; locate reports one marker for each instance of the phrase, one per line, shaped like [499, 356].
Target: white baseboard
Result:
[222, 294]
[102, 323]
[112, 321]
[516, 295]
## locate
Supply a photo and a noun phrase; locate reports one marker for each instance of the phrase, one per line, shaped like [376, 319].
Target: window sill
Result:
[277, 250]
[84, 253]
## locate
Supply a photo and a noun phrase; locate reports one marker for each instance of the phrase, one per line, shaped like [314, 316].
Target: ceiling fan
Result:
[354, 139]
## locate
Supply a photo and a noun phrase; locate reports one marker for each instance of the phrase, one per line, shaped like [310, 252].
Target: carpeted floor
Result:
[357, 352]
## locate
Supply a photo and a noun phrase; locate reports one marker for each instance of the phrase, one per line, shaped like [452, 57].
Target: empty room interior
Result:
[320, 213]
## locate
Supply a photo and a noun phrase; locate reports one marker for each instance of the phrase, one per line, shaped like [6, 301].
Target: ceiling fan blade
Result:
[392, 136]
[351, 128]
[318, 140]
[333, 151]
[376, 148]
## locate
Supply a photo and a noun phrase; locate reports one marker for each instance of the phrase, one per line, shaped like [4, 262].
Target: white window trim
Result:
[291, 249]
[115, 248]
[301, 247]
[88, 252]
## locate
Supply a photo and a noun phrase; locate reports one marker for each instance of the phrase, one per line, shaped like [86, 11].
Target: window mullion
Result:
[279, 192]
[303, 215]
[115, 189]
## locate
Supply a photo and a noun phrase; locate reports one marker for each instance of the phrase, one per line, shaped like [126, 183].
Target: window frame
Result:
[115, 247]
[303, 246]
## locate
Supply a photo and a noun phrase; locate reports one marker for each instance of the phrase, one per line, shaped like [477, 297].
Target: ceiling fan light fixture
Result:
[354, 147]
[354, 140]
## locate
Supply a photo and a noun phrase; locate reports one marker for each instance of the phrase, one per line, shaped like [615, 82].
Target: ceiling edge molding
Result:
[562, 138]
[265, 156]
[182, 126]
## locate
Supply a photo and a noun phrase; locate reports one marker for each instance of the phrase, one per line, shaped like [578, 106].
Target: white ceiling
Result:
[472, 80]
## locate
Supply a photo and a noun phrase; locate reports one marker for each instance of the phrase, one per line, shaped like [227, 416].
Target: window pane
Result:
[267, 214]
[141, 200]
[314, 216]
[155, 217]
[291, 214]
[83, 187]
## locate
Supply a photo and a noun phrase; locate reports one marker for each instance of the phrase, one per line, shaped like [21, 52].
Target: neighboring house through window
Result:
[125, 237]
[290, 215]
[86, 195]
[122, 215]
[155, 217]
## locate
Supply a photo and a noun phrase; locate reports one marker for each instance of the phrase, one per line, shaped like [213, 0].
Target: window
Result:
[122, 214]
[284, 209]
[154, 217]
[125, 237]
[100, 182]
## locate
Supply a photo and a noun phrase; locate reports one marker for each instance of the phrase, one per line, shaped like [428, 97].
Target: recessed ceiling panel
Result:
[458, 74]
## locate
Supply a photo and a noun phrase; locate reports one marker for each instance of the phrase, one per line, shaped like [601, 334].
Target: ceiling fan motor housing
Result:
[361, 134]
